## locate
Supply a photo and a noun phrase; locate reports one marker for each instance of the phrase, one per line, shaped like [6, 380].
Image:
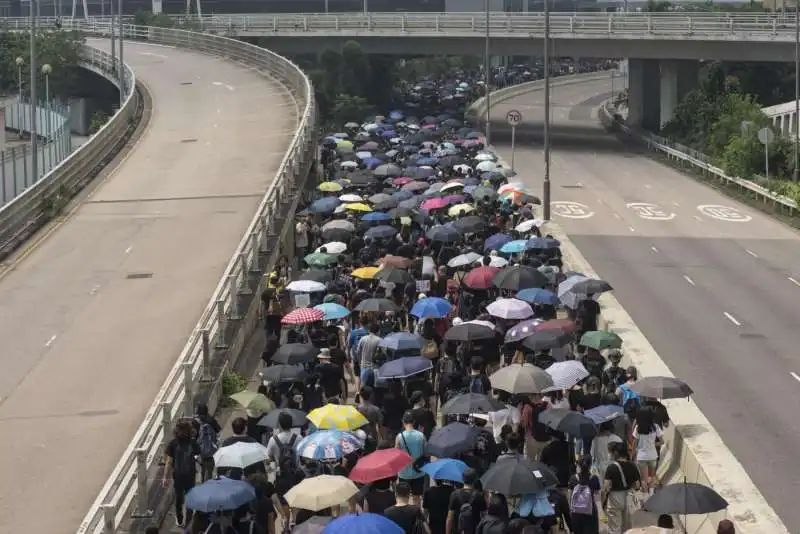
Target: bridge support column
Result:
[643, 93]
[678, 77]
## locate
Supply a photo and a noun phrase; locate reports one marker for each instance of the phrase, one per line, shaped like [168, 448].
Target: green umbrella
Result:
[600, 339]
[320, 259]
[256, 402]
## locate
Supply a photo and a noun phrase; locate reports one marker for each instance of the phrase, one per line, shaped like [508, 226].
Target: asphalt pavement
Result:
[712, 283]
[95, 315]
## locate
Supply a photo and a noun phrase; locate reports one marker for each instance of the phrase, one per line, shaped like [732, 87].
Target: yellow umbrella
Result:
[357, 206]
[405, 221]
[342, 143]
[320, 492]
[337, 417]
[458, 208]
[367, 273]
[330, 187]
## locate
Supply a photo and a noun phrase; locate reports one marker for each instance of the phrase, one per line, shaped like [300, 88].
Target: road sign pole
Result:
[513, 144]
[513, 118]
[766, 160]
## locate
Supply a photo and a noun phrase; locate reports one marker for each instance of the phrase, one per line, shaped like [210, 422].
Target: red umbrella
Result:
[380, 464]
[562, 325]
[480, 277]
[303, 316]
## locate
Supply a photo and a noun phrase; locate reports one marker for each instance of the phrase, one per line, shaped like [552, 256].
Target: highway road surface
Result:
[94, 317]
[713, 284]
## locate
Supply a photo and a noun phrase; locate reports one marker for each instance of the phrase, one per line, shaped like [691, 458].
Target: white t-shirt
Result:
[301, 235]
[507, 416]
[646, 444]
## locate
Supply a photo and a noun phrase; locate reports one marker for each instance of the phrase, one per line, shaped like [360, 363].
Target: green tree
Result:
[60, 50]
[356, 72]
[347, 107]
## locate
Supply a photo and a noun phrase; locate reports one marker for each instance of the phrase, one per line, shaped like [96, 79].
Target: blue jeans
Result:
[367, 377]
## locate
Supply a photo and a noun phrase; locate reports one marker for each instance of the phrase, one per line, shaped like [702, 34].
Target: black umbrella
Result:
[381, 232]
[547, 339]
[662, 387]
[377, 305]
[388, 169]
[271, 419]
[468, 403]
[453, 439]
[470, 331]
[519, 277]
[284, 373]
[385, 205]
[516, 475]
[317, 275]
[394, 275]
[569, 422]
[295, 353]
[685, 498]
[592, 286]
[444, 234]
[471, 224]
[336, 234]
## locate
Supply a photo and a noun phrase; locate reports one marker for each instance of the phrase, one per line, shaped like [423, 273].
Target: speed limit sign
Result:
[513, 117]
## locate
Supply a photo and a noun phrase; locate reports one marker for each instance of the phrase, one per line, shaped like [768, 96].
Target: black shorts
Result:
[417, 485]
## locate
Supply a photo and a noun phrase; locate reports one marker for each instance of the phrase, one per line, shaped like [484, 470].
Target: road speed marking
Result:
[651, 212]
[723, 213]
[571, 210]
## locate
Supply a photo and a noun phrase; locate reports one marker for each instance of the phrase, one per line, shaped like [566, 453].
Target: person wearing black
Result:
[423, 416]
[379, 497]
[496, 519]
[620, 477]
[406, 516]
[583, 523]
[181, 466]
[435, 501]
[331, 376]
[466, 495]
[202, 417]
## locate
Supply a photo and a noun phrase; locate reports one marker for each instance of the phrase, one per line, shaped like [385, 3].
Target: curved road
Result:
[85, 348]
[714, 289]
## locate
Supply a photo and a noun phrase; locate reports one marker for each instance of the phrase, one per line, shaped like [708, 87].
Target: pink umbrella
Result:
[403, 180]
[434, 204]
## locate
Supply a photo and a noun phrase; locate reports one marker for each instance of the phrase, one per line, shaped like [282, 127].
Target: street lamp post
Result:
[121, 71]
[20, 61]
[113, 38]
[46, 70]
[546, 129]
[34, 95]
[487, 78]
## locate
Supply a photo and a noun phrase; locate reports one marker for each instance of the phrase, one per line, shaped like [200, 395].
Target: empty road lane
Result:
[94, 317]
[713, 284]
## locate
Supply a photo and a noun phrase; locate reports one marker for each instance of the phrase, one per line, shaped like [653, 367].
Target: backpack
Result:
[476, 385]
[183, 462]
[582, 500]
[287, 465]
[629, 398]
[466, 519]
[430, 349]
[206, 439]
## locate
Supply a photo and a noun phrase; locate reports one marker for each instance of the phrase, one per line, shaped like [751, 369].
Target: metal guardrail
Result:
[43, 199]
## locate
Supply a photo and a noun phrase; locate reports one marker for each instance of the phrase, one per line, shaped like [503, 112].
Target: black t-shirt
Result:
[330, 378]
[404, 516]
[436, 501]
[425, 421]
[463, 496]
[379, 500]
[613, 474]
[182, 455]
[338, 357]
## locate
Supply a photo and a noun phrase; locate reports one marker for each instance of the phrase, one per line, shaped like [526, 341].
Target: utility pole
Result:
[546, 132]
[34, 95]
[487, 78]
[121, 70]
[113, 38]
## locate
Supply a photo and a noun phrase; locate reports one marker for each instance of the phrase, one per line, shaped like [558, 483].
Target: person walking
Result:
[412, 441]
[621, 477]
[181, 466]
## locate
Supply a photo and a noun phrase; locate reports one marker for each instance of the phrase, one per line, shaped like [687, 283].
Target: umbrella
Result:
[522, 330]
[377, 306]
[337, 417]
[320, 492]
[325, 205]
[468, 403]
[303, 316]
[271, 419]
[394, 275]
[566, 374]
[402, 341]
[405, 367]
[381, 232]
[283, 373]
[337, 234]
[591, 286]
[603, 413]
[546, 340]
[662, 387]
[332, 311]
[543, 243]
[388, 169]
[510, 309]
[295, 353]
[316, 275]
[250, 400]
[240, 455]
[600, 339]
[496, 242]
[367, 273]
[433, 307]
[313, 525]
[471, 224]
[334, 247]
[520, 379]
[444, 234]
[483, 193]
[434, 204]
[339, 225]
[480, 277]
[306, 286]
[395, 261]
[320, 259]
[365, 523]
[219, 494]
[380, 464]
[464, 259]
[572, 423]
[535, 295]
[329, 187]
[452, 439]
[328, 445]
[684, 499]
[519, 277]
[516, 475]
[528, 225]
[446, 469]
[514, 247]
[565, 326]
[470, 331]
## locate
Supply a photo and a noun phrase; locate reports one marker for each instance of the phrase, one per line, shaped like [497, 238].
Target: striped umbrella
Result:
[566, 374]
[303, 316]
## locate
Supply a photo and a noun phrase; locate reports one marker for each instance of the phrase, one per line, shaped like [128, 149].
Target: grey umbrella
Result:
[686, 498]
[521, 378]
[662, 387]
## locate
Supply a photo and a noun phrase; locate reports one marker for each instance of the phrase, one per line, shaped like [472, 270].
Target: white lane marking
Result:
[631, 228]
[698, 218]
[654, 249]
[218, 84]
[795, 375]
[723, 213]
[571, 210]
[751, 252]
[732, 319]
[691, 282]
[793, 280]
[651, 212]
[128, 250]
[50, 341]
[616, 215]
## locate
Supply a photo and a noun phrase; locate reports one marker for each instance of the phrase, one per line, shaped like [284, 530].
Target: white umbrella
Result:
[464, 259]
[566, 296]
[462, 167]
[348, 164]
[341, 208]
[510, 309]
[486, 166]
[485, 156]
[349, 197]
[497, 261]
[334, 247]
[240, 455]
[566, 374]
[528, 225]
[306, 286]
[451, 185]
[363, 154]
[339, 224]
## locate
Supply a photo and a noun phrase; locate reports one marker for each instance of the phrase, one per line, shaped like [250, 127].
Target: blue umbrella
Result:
[371, 163]
[404, 367]
[381, 232]
[514, 247]
[219, 494]
[325, 205]
[328, 445]
[606, 412]
[446, 469]
[543, 243]
[427, 161]
[452, 440]
[536, 295]
[396, 115]
[376, 216]
[402, 195]
[362, 524]
[402, 341]
[332, 311]
[496, 241]
[433, 307]
[389, 134]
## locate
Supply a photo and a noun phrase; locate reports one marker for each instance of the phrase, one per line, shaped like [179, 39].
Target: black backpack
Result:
[288, 469]
[476, 385]
[184, 464]
[466, 518]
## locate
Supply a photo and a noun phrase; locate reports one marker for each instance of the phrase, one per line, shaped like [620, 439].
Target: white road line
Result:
[676, 204]
[691, 282]
[698, 218]
[654, 249]
[795, 375]
[616, 215]
[631, 228]
[751, 252]
[793, 280]
[50, 341]
[732, 319]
